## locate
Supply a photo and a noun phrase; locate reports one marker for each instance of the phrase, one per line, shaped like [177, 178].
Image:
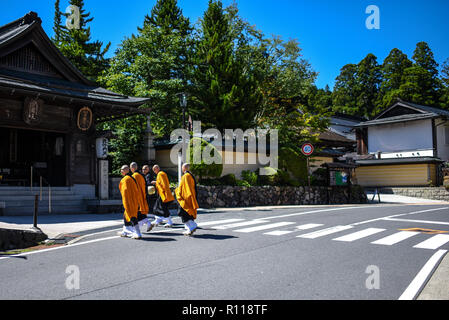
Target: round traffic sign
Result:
[307, 149]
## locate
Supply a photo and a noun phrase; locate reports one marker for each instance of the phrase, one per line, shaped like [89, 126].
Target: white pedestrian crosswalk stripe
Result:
[239, 224]
[298, 228]
[210, 223]
[324, 232]
[265, 227]
[250, 226]
[396, 238]
[359, 235]
[434, 243]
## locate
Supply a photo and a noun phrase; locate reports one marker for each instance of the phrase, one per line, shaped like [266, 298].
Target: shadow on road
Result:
[154, 239]
[12, 256]
[213, 237]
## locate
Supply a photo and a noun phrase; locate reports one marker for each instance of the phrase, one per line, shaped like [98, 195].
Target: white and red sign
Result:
[307, 149]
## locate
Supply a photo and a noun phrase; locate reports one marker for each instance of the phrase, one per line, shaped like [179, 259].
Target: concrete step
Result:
[54, 197]
[34, 189]
[32, 193]
[24, 211]
[42, 204]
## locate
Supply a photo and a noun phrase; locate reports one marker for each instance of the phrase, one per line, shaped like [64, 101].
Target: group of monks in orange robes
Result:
[134, 190]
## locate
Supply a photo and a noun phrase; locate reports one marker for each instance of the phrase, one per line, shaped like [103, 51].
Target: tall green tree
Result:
[345, 91]
[286, 105]
[421, 84]
[369, 79]
[154, 63]
[76, 44]
[225, 86]
[57, 24]
[393, 69]
[445, 85]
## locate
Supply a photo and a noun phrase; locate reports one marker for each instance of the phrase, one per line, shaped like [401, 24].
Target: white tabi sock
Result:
[143, 222]
[157, 220]
[137, 231]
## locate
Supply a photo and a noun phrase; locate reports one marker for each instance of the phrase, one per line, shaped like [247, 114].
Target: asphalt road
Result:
[319, 253]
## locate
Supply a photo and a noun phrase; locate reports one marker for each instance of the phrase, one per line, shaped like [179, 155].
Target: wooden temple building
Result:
[49, 112]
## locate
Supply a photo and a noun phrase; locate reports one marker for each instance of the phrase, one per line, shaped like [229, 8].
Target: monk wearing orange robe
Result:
[142, 195]
[186, 194]
[129, 192]
[164, 199]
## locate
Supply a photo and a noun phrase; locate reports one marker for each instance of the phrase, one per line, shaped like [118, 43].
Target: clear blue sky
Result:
[331, 33]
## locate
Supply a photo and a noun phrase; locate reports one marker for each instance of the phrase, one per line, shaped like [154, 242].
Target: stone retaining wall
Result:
[20, 239]
[234, 197]
[431, 193]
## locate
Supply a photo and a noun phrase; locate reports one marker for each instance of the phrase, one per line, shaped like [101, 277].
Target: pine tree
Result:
[57, 24]
[75, 44]
[226, 80]
[151, 63]
[368, 81]
[167, 16]
[393, 69]
[444, 101]
[420, 82]
[345, 91]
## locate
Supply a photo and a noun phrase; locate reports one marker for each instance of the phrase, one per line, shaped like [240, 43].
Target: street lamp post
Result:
[183, 103]
[181, 157]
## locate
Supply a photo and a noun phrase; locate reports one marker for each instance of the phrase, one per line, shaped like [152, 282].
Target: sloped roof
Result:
[72, 84]
[417, 112]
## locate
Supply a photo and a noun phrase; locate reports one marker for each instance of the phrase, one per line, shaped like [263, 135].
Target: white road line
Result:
[417, 221]
[359, 235]
[298, 228]
[210, 223]
[395, 238]
[265, 227]
[80, 244]
[434, 243]
[415, 286]
[314, 211]
[309, 226]
[324, 232]
[59, 248]
[240, 224]
[397, 215]
[278, 233]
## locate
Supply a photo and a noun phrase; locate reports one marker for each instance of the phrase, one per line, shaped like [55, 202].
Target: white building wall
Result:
[443, 139]
[406, 136]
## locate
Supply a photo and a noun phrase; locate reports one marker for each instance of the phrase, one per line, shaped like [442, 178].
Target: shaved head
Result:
[156, 168]
[185, 167]
[133, 166]
[124, 170]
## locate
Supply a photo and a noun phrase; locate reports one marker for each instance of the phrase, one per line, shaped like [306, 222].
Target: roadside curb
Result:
[11, 239]
[436, 287]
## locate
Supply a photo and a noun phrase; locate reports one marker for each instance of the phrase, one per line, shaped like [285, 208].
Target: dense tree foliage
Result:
[76, 44]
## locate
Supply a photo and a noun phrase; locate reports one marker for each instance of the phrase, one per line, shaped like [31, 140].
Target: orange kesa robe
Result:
[129, 192]
[163, 187]
[186, 195]
[143, 204]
